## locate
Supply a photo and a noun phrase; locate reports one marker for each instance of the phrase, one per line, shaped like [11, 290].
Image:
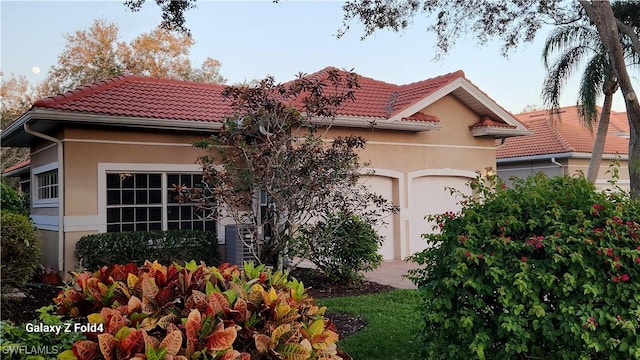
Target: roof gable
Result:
[559, 134]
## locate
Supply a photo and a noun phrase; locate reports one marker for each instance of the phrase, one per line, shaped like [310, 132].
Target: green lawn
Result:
[392, 329]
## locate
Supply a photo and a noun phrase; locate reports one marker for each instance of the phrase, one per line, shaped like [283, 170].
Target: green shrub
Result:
[197, 312]
[96, 250]
[20, 249]
[21, 341]
[548, 269]
[341, 247]
[13, 202]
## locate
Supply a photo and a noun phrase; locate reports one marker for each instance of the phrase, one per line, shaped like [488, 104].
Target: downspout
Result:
[61, 247]
[553, 161]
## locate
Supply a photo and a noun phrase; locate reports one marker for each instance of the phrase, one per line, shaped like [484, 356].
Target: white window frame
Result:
[35, 185]
[107, 168]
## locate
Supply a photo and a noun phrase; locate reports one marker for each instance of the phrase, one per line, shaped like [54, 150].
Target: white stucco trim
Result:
[45, 222]
[81, 223]
[118, 142]
[44, 203]
[444, 146]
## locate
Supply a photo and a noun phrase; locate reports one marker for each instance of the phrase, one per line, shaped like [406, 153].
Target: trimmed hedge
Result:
[20, 249]
[97, 250]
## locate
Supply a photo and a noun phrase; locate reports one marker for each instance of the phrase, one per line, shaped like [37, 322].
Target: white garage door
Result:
[429, 196]
[383, 186]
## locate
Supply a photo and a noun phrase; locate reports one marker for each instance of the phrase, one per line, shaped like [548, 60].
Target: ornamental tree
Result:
[274, 149]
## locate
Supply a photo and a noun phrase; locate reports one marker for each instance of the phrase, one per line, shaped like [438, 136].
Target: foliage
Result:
[172, 12]
[11, 201]
[196, 312]
[16, 341]
[392, 324]
[96, 54]
[16, 97]
[341, 247]
[549, 268]
[273, 147]
[96, 250]
[20, 249]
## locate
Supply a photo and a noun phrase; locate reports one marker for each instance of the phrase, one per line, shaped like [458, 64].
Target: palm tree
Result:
[575, 43]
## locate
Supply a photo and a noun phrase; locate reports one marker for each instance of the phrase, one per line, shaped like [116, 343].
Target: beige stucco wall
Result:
[49, 248]
[582, 165]
[84, 149]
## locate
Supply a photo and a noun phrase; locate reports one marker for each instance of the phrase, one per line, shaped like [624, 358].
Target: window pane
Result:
[113, 197]
[186, 180]
[141, 227]
[186, 212]
[141, 197]
[173, 225]
[141, 214]
[185, 225]
[155, 214]
[210, 225]
[173, 213]
[113, 228]
[113, 215]
[127, 181]
[127, 197]
[127, 215]
[155, 181]
[155, 226]
[113, 181]
[128, 227]
[173, 179]
[141, 180]
[155, 197]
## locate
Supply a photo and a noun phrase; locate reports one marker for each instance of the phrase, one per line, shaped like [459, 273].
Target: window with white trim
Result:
[47, 185]
[146, 202]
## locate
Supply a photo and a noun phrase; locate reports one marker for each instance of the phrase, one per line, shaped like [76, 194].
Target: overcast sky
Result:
[253, 39]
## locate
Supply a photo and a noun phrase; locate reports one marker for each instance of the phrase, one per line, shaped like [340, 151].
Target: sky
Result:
[253, 39]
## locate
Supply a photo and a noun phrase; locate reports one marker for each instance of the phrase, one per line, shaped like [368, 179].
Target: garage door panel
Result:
[383, 186]
[430, 196]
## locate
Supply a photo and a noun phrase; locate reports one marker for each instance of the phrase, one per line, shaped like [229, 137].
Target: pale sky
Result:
[253, 39]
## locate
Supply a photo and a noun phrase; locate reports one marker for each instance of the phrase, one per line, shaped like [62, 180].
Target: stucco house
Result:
[561, 144]
[103, 156]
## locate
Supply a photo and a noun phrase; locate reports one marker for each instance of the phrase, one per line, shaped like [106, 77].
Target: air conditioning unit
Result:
[236, 239]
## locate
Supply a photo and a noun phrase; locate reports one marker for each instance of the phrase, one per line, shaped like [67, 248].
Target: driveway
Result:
[391, 272]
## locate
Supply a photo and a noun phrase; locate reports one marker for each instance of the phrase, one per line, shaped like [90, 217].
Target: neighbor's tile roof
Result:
[138, 96]
[561, 133]
[17, 166]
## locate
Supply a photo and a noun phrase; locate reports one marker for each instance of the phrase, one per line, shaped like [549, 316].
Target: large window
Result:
[146, 202]
[47, 185]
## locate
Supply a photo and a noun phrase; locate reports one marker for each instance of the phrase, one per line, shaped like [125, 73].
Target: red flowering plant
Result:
[548, 268]
[196, 312]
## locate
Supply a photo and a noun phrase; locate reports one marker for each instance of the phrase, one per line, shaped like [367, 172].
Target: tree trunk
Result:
[601, 136]
[602, 16]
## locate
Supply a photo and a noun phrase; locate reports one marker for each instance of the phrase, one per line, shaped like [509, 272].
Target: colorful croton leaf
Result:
[197, 312]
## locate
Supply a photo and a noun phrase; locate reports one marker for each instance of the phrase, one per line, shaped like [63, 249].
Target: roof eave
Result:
[498, 132]
[63, 116]
[376, 123]
[465, 85]
[567, 155]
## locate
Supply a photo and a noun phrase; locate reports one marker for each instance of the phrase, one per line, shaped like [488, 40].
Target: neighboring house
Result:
[561, 144]
[20, 171]
[104, 156]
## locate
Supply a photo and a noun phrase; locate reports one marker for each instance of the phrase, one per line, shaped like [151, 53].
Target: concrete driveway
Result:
[390, 272]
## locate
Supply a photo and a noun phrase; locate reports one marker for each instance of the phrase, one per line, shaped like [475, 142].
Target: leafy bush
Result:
[96, 250]
[196, 312]
[20, 249]
[341, 247]
[547, 269]
[18, 341]
[12, 201]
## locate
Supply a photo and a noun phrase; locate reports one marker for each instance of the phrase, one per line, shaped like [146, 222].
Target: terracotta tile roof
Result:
[422, 117]
[17, 166]
[488, 122]
[377, 98]
[561, 134]
[138, 96]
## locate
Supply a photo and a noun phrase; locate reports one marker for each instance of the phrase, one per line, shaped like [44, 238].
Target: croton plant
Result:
[196, 312]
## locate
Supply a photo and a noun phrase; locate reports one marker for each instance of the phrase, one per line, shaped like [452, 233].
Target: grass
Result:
[392, 329]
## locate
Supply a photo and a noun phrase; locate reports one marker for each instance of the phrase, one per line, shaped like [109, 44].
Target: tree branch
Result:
[628, 30]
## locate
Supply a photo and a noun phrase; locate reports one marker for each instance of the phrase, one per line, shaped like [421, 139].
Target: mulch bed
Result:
[23, 309]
